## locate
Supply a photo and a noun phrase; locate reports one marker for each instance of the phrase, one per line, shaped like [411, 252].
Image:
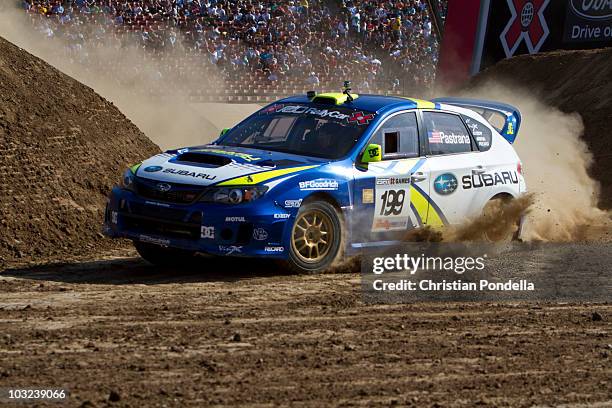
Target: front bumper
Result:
[253, 229]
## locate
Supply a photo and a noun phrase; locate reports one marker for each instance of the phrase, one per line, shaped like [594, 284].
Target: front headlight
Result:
[127, 181]
[234, 195]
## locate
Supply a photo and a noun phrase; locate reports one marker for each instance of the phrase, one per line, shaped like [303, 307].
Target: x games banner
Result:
[478, 33]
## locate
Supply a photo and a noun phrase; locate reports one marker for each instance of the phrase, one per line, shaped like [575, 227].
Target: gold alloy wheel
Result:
[312, 236]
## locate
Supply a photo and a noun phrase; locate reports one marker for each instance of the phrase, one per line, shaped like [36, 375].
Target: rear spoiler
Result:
[506, 119]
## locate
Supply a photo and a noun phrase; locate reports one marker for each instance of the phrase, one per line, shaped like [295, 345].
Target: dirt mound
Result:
[62, 147]
[572, 81]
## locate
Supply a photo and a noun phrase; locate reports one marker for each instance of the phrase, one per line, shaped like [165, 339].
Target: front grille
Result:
[245, 232]
[177, 194]
[169, 222]
[164, 228]
[170, 214]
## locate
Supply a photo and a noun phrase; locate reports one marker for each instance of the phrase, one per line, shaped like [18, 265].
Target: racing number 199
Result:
[393, 202]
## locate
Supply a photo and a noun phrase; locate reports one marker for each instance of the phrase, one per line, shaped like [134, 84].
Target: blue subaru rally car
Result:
[311, 178]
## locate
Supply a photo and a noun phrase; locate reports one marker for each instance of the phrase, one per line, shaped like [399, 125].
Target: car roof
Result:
[367, 102]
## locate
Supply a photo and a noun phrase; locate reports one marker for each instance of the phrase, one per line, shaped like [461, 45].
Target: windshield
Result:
[326, 132]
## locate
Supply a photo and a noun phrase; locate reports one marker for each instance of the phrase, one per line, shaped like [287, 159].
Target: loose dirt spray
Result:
[555, 162]
[498, 223]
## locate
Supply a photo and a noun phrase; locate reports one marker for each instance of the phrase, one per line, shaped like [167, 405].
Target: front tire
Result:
[165, 257]
[316, 238]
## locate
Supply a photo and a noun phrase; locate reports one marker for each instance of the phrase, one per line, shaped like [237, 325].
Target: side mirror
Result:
[224, 131]
[372, 153]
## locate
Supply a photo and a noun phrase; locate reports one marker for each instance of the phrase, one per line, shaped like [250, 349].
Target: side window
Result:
[278, 130]
[480, 132]
[446, 133]
[399, 137]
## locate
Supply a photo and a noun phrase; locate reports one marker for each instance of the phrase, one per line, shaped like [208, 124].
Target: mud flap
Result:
[518, 235]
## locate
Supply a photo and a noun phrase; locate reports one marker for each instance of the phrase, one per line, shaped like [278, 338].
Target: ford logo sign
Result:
[445, 184]
[164, 187]
[152, 169]
[592, 9]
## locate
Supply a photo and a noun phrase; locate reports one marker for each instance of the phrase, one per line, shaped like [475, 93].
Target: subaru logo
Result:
[164, 187]
[152, 169]
[260, 234]
[445, 184]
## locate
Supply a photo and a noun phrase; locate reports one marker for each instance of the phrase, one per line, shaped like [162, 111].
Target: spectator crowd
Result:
[379, 45]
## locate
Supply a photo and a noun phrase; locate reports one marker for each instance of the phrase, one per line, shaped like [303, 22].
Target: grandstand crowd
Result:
[272, 46]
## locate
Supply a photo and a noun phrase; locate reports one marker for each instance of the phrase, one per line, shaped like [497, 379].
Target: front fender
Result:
[334, 180]
[290, 194]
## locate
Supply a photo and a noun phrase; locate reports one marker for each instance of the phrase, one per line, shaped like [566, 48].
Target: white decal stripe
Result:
[273, 184]
[404, 166]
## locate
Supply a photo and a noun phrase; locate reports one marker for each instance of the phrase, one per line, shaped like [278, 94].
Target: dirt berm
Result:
[62, 147]
[572, 81]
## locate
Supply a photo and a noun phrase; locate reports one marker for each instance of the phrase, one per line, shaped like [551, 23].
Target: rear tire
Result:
[316, 238]
[166, 257]
[490, 210]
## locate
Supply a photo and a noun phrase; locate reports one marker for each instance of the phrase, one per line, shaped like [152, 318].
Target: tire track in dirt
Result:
[256, 335]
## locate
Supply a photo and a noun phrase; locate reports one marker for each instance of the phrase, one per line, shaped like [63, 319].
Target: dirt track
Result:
[161, 337]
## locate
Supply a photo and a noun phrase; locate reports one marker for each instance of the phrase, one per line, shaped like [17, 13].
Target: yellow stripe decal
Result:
[427, 212]
[135, 167]
[433, 218]
[420, 203]
[422, 104]
[257, 178]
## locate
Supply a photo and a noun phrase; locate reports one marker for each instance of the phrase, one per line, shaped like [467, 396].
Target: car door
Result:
[382, 189]
[451, 154]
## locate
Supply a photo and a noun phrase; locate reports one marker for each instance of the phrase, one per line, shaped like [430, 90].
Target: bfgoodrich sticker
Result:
[319, 184]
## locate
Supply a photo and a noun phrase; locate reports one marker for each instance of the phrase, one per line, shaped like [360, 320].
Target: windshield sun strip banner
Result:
[352, 117]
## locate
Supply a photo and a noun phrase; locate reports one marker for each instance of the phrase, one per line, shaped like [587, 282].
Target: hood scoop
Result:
[203, 159]
[278, 163]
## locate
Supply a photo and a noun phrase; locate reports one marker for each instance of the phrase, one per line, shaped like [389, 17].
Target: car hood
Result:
[210, 164]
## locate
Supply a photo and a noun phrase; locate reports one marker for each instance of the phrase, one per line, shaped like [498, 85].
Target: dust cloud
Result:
[561, 205]
[166, 118]
[555, 164]
[499, 222]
